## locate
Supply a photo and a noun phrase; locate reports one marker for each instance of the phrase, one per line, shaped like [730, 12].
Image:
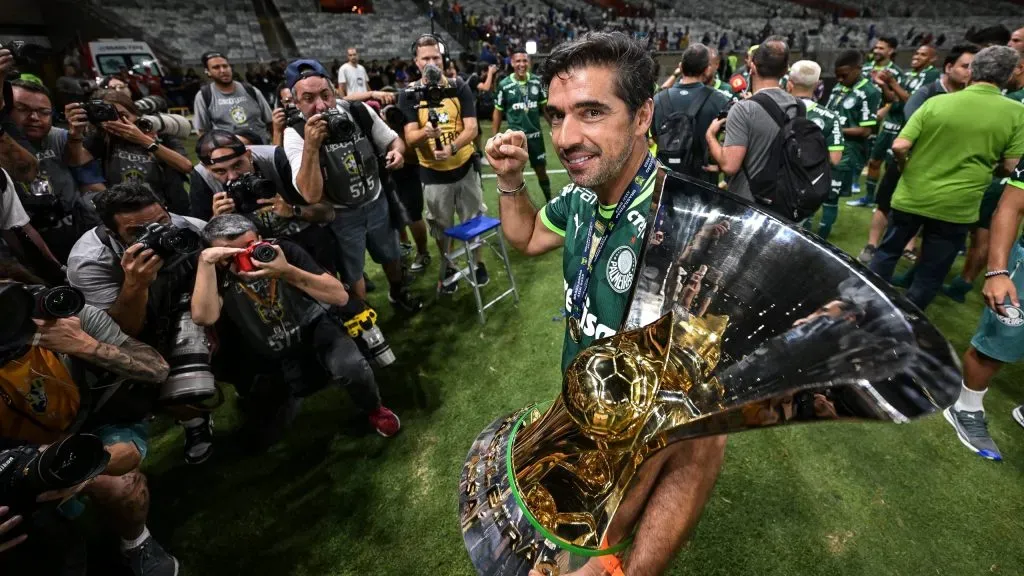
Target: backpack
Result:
[677, 135]
[207, 91]
[798, 176]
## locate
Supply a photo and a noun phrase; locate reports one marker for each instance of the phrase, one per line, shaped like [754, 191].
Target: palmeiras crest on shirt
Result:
[621, 266]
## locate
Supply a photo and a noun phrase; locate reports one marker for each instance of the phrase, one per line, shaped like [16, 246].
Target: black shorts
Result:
[410, 191]
[887, 186]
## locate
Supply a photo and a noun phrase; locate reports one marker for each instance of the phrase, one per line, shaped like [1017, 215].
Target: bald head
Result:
[1017, 40]
[923, 57]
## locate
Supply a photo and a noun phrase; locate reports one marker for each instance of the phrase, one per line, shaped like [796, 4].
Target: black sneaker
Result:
[482, 278]
[370, 286]
[198, 440]
[150, 559]
[449, 289]
[405, 301]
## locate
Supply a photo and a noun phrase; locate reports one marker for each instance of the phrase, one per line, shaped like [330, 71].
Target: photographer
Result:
[284, 113]
[129, 151]
[19, 162]
[275, 303]
[19, 238]
[227, 104]
[137, 266]
[58, 361]
[442, 133]
[56, 208]
[256, 182]
[334, 158]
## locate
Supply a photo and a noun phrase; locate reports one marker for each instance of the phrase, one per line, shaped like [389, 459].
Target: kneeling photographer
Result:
[61, 363]
[334, 157]
[129, 150]
[274, 299]
[139, 266]
[256, 182]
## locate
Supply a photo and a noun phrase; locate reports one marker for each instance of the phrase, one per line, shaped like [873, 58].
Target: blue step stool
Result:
[472, 234]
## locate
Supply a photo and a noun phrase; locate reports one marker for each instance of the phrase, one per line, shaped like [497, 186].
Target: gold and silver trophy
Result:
[736, 321]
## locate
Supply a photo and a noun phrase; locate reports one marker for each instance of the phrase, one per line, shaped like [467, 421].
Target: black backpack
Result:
[797, 178]
[677, 137]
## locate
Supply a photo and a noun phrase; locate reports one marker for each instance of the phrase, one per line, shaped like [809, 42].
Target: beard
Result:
[607, 168]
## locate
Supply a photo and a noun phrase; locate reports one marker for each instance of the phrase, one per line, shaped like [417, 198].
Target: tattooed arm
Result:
[21, 163]
[132, 359]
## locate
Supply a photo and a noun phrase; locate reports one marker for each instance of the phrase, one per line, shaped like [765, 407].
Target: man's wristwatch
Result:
[153, 147]
[453, 148]
[296, 210]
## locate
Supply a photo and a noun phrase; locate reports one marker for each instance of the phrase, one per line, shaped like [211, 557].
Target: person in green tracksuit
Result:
[896, 92]
[521, 98]
[856, 100]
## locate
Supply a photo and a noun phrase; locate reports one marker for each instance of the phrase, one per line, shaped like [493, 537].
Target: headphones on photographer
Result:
[441, 45]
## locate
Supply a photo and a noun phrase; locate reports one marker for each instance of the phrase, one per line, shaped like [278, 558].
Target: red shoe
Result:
[385, 422]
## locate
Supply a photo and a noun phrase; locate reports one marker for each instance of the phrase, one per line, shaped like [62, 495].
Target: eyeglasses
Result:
[28, 110]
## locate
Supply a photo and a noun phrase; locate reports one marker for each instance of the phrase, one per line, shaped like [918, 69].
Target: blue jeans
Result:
[941, 242]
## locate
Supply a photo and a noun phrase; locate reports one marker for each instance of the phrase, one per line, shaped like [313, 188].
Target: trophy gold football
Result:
[736, 321]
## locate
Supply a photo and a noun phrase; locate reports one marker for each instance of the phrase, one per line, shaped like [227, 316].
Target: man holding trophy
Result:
[600, 88]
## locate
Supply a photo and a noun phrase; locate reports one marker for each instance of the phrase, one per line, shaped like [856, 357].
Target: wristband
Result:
[519, 189]
[995, 273]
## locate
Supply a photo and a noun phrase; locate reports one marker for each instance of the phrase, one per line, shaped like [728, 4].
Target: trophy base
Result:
[502, 538]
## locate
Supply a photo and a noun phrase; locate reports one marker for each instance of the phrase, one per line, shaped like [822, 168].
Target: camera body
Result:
[340, 128]
[98, 111]
[23, 52]
[41, 204]
[246, 190]
[172, 244]
[431, 93]
[259, 251]
[292, 115]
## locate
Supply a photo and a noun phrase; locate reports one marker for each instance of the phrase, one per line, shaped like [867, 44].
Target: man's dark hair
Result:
[254, 138]
[849, 58]
[633, 65]
[29, 86]
[518, 49]
[956, 52]
[121, 198]
[891, 41]
[696, 59]
[991, 36]
[772, 58]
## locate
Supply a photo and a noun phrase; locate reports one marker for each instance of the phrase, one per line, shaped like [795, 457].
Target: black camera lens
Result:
[145, 124]
[58, 302]
[263, 253]
[181, 241]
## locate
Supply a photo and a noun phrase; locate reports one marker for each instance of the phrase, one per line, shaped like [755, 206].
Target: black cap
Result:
[212, 54]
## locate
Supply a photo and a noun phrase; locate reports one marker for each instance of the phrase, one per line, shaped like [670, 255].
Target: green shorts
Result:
[883, 144]
[989, 203]
[535, 148]
[1002, 337]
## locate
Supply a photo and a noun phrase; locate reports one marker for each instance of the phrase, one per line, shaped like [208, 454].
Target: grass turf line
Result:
[824, 499]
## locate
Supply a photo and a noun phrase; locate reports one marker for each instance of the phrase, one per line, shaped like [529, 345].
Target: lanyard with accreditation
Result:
[582, 282]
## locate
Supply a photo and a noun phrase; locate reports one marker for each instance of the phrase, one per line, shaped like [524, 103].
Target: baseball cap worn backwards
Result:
[304, 68]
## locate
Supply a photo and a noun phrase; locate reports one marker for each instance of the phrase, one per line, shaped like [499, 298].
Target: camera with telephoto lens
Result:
[190, 379]
[26, 471]
[23, 303]
[260, 251]
[361, 322]
[340, 128]
[98, 111]
[292, 114]
[247, 189]
[173, 245]
[165, 125]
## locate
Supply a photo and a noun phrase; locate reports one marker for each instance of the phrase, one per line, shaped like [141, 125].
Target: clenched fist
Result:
[506, 153]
